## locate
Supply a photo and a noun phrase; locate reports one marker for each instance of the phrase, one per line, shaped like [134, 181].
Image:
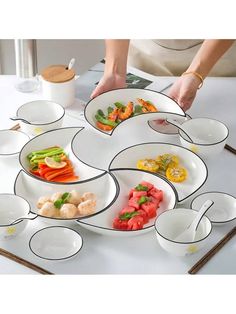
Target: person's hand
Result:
[184, 90]
[109, 82]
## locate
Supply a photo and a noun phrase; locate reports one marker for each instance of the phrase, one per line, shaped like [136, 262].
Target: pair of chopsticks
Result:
[23, 262]
[212, 252]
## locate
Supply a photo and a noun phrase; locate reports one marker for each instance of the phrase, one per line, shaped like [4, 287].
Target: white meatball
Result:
[49, 210]
[42, 200]
[68, 211]
[89, 196]
[87, 207]
[56, 196]
[74, 197]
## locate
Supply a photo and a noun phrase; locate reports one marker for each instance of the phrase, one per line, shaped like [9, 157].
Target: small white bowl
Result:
[212, 135]
[166, 106]
[128, 179]
[222, 211]
[11, 143]
[42, 115]
[171, 223]
[12, 207]
[56, 243]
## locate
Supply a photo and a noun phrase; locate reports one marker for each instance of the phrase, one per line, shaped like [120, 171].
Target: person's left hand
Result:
[184, 90]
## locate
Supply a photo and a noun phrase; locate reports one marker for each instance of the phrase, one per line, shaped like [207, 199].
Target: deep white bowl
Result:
[11, 142]
[127, 179]
[209, 136]
[222, 211]
[197, 169]
[12, 207]
[42, 115]
[171, 223]
[56, 243]
[166, 106]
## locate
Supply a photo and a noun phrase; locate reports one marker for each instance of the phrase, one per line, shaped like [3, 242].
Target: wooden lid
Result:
[57, 74]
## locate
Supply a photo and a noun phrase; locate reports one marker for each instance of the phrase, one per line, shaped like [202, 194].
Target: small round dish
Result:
[11, 143]
[223, 210]
[56, 243]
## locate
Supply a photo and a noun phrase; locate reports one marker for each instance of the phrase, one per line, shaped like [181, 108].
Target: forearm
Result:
[208, 55]
[116, 56]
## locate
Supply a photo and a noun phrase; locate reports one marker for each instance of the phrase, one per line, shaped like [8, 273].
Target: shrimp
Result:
[87, 207]
[68, 211]
[147, 107]
[113, 115]
[126, 113]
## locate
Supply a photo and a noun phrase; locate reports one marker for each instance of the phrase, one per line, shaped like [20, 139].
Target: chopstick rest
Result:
[212, 252]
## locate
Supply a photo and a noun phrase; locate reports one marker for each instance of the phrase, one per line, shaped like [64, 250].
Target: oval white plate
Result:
[197, 170]
[127, 179]
[165, 105]
[63, 138]
[223, 210]
[104, 186]
[56, 243]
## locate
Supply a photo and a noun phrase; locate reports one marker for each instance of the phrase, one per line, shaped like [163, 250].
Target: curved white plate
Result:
[127, 179]
[164, 104]
[104, 186]
[61, 137]
[56, 243]
[223, 210]
[197, 169]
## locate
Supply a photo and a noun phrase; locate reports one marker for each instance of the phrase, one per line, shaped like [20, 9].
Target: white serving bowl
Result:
[164, 128]
[42, 115]
[211, 136]
[127, 179]
[166, 106]
[61, 137]
[104, 186]
[11, 142]
[171, 223]
[56, 243]
[197, 169]
[222, 211]
[12, 207]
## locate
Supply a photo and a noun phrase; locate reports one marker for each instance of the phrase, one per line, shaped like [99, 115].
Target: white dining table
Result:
[133, 255]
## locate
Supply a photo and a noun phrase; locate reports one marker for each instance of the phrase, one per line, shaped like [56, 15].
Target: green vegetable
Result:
[105, 121]
[127, 216]
[141, 187]
[119, 105]
[137, 109]
[57, 158]
[65, 196]
[101, 113]
[143, 199]
[61, 201]
[109, 110]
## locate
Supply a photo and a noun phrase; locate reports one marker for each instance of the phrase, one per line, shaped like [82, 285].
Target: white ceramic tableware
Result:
[166, 106]
[42, 116]
[128, 179]
[171, 223]
[211, 135]
[105, 188]
[11, 142]
[223, 210]
[11, 208]
[196, 168]
[56, 243]
[61, 137]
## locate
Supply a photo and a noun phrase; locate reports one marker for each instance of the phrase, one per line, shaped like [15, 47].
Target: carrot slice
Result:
[104, 127]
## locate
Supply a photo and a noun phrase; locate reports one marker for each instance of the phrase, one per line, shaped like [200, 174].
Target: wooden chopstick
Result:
[15, 127]
[212, 252]
[23, 262]
[230, 148]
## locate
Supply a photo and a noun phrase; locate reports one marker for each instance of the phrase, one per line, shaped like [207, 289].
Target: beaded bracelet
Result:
[197, 75]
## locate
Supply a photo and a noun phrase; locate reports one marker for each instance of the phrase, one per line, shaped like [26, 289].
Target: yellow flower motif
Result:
[38, 131]
[194, 148]
[192, 248]
[11, 230]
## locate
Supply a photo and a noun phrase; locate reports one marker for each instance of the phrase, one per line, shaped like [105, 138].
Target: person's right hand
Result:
[109, 82]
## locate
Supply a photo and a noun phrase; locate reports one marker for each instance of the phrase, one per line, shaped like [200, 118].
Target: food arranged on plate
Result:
[67, 205]
[120, 112]
[167, 165]
[52, 164]
[143, 202]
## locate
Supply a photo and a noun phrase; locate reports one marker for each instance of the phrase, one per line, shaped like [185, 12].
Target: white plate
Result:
[32, 189]
[56, 243]
[12, 142]
[197, 170]
[165, 105]
[127, 179]
[223, 210]
[61, 137]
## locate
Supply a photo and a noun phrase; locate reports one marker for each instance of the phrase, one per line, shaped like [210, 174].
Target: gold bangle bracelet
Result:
[197, 75]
